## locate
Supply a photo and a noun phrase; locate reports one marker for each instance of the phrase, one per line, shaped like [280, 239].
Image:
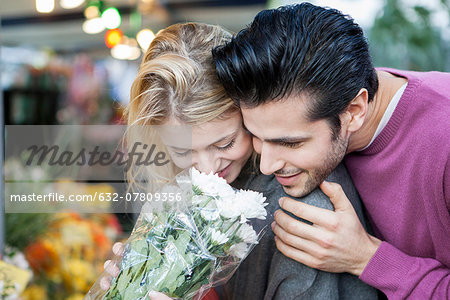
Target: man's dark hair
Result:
[295, 49]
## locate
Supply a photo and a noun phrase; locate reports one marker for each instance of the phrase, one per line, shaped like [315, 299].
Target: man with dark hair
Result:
[311, 97]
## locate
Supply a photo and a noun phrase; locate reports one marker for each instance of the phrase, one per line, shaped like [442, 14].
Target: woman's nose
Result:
[207, 163]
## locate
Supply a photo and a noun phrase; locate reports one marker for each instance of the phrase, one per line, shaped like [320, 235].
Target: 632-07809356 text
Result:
[108, 197]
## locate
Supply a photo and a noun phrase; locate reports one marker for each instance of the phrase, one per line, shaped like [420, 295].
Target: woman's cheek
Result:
[242, 148]
[182, 162]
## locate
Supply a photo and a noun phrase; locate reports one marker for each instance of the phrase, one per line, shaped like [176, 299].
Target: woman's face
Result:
[220, 146]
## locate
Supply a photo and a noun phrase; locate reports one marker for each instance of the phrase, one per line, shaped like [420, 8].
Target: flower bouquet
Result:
[182, 248]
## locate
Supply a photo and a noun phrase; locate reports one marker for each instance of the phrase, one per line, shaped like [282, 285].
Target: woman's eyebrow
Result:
[231, 135]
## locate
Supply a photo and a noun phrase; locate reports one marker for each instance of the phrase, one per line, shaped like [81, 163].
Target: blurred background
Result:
[73, 61]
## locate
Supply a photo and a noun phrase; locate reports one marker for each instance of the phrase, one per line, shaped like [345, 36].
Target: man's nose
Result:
[270, 159]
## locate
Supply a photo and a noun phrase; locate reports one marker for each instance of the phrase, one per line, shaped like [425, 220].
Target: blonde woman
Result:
[177, 88]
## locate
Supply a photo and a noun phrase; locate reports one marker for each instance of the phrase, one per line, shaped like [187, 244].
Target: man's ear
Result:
[356, 112]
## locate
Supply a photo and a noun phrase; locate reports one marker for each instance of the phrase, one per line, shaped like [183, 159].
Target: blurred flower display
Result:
[67, 258]
[64, 258]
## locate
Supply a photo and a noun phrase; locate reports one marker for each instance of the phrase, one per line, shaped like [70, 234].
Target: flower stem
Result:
[236, 230]
[228, 228]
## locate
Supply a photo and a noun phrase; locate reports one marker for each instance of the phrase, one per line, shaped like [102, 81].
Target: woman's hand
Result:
[110, 268]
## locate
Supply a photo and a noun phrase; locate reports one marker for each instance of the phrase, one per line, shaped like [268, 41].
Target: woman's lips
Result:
[287, 180]
[224, 171]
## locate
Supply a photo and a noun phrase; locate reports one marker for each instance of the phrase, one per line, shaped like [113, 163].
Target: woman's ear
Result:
[356, 112]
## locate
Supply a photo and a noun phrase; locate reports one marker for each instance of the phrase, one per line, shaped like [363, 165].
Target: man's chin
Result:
[296, 191]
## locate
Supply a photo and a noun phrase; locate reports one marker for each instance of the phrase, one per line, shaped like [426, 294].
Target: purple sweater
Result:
[404, 181]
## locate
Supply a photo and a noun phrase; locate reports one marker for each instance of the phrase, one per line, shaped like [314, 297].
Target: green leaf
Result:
[154, 258]
[197, 190]
[133, 291]
[175, 259]
[140, 246]
[123, 281]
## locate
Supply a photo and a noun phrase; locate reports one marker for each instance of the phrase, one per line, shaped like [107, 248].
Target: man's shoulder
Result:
[317, 198]
[431, 84]
[428, 76]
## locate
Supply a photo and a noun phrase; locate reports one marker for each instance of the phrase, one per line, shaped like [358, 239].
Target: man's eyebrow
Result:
[229, 136]
[284, 139]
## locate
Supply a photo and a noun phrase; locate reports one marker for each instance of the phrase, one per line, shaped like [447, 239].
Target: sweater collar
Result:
[386, 135]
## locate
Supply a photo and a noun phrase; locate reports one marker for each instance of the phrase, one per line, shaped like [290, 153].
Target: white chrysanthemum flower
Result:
[217, 237]
[229, 207]
[239, 250]
[244, 204]
[247, 234]
[252, 205]
[255, 196]
[211, 184]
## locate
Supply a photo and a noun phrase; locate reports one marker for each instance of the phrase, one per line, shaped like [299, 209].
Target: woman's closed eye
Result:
[182, 154]
[227, 146]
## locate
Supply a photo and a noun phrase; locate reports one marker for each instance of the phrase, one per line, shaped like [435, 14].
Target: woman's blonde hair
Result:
[176, 79]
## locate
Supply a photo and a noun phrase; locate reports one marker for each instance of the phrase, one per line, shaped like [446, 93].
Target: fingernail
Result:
[116, 248]
[104, 285]
[280, 201]
[106, 263]
[153, 294]
[272, 225]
